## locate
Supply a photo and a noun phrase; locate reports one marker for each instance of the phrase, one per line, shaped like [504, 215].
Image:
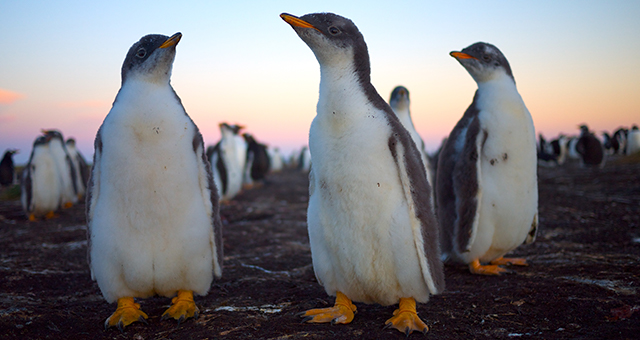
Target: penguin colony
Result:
[383, 214]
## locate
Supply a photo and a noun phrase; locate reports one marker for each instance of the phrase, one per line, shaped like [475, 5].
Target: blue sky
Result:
[573, 61]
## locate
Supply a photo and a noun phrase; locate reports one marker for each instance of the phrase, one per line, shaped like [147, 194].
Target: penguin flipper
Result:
[211, 199]
[466, 186]
[127, 313]
[93, 191]
[342, 312]
[417, 191]
[182, 307]
[405, 318]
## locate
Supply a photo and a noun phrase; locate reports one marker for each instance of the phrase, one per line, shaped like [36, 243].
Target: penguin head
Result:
[484, 62]
[335, 40]
[53, 134]
[151, 58]
[399, 98]
[71, 142]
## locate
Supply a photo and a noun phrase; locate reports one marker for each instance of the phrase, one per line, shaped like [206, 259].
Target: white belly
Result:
[151, 231]
[359, 223]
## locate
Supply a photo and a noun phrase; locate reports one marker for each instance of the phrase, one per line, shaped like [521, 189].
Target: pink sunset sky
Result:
[238, 62]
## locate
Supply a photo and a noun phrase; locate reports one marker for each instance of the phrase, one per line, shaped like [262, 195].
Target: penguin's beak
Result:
[297, 22]
[460, 55]
[172, 41]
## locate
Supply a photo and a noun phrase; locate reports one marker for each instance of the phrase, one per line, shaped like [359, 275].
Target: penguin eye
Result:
[141, 53]
[486, 57]
[334, 30]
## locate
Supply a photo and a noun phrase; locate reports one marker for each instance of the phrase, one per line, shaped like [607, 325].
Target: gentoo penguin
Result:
[487, 187]
[633, 140]
[559, 147]
[232, 157]
[590, 148]
[621, 136]
[7, 170]
[41, 190]
[400, 103]
[373, 234]
[304, 160]
[64, 167]
[80, 167]
[152, 209]
[276, 163]
[257, 165]
[610, 144]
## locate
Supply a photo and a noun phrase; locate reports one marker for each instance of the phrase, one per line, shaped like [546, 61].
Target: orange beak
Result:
[460, 55]
[172, 41]
[295, 21]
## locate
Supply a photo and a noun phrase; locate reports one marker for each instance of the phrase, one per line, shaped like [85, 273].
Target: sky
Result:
[573, 61]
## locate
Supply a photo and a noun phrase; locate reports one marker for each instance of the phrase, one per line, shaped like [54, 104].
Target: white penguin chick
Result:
[40, 188]
[79, 166]
[400, 104]
[487, 186]
[233, 152]
[64, 167]
[373, 234]
[152, 208]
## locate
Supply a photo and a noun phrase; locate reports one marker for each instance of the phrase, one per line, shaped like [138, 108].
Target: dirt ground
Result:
[582, 283]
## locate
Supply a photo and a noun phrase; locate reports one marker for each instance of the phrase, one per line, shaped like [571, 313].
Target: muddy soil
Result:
[583, 281]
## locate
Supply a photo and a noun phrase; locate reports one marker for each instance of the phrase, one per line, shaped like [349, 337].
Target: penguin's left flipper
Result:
[182, 307]
[405, 318]
[342, 312]
[476, 268]
[510, 261]
[127, 313]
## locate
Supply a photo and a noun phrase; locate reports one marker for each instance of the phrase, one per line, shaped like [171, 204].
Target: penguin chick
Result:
[373, 234]
[487, 187]
[152, 207]
[41, 191]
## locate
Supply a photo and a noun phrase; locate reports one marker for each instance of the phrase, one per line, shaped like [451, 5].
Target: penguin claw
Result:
[120, 326]
[342, 312]
[308, 318]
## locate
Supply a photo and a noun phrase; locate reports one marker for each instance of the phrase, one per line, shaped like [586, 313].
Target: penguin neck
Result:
[501, 89]
[342, 90]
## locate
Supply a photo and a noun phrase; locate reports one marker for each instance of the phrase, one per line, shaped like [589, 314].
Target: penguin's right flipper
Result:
[342, 312]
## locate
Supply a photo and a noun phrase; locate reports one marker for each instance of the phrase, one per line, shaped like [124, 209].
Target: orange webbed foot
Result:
[342, 312]
[182, 307]
[127, 313]
[510, 261]
[405, 318]
[476, 268]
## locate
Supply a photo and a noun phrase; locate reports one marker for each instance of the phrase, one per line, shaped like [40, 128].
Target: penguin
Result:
[372, 231]
[611, 145]
[304, 160]
[41, 191]
[7, 170]
[633, 141]
[152, 207]
[621, 136]
[232, 157]
[400, 103]
[559, 149]
[64, 167]
[80, 167]
[275, 159]
[590, 148]
[258, 163]
[487, 187]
